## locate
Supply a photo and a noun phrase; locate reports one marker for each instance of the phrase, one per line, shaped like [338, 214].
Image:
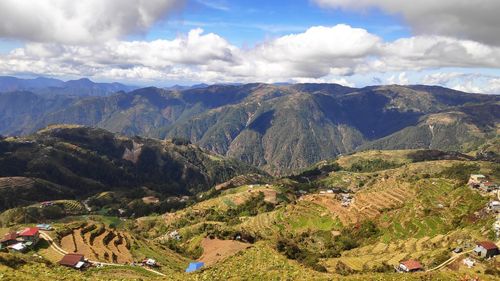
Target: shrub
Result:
[342, 269]
[440, 258]
[372, 165]
[460, 172]
[11, 261]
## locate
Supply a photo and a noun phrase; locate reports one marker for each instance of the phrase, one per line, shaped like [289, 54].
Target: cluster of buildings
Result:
[483, 249]
[346, 199]
[20, 241]
[482, 183]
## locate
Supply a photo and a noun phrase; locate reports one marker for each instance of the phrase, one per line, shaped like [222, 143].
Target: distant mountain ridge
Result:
[49, 86]
[280, 128]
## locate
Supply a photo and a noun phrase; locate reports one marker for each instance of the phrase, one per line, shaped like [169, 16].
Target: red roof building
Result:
[30, 231]
[486, 249]
[73, 260]
[488, 245]
[9, 238]
[410, 266]
[30, 234]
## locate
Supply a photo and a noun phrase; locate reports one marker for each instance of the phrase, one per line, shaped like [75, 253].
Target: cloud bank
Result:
[82, 22]
[318, 54]
[475, 20]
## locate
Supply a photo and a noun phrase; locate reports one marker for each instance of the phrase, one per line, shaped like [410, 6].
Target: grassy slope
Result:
[435, 215]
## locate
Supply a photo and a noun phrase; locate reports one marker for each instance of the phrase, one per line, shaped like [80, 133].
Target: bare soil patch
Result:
[215, 250]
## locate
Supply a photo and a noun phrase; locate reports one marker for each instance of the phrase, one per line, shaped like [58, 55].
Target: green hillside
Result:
[73, 162]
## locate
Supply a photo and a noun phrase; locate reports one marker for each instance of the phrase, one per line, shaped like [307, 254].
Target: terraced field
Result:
[365, 205]
[373, 255]
[99, 243]
[294, 218]
[227, 200]
[71, 206]
[18, 182]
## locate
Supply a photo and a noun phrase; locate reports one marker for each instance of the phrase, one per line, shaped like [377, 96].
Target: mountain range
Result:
[50, 86]
[279, 128]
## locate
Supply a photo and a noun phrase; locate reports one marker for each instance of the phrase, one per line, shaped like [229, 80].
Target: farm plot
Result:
[71, 207]
[215, 250]
[98, 243]
[371, 256]
[365, 205]
[18, 182]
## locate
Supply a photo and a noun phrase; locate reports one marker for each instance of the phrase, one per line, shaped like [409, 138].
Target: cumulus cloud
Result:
[476, 20]
[85, 21]
[466, 82]
[400, 79]
[321, 54]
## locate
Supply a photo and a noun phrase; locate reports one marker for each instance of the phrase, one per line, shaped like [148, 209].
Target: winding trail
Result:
[448, 261]
[62, 252]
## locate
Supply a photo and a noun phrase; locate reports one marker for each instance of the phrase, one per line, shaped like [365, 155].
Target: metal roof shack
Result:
[73, 260]
[410, 266]
[9, 238]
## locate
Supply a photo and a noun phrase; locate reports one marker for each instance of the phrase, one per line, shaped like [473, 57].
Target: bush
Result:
[96, 232]
[180, 141]
[292, 251]
[366, 166]
[383, 267]
[440, 258]
[11, 261]
[460, 172]
[342, 269]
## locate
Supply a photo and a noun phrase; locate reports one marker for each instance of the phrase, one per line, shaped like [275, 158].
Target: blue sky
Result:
[166, 42]
[246, 23]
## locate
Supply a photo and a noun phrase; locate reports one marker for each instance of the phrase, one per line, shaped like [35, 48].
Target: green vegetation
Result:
[460, 172]
[367, 166]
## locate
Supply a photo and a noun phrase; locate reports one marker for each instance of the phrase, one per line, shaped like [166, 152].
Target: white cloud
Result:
[400, 79]
[476, 20]
[466, 82]
[84, 21]
[321, 54]
[215, 4]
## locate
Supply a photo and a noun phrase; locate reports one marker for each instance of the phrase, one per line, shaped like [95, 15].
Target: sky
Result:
[452, 43]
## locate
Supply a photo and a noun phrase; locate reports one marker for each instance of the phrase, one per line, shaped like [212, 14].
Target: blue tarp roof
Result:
[194, 266]
[43, 225]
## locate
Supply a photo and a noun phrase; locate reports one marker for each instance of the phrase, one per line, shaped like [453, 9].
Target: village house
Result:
[475, 180]
[469, 262]
[18, 247]
[30, 234]
[46, 204]
[486, 249]
[496, 226]
[494, 206]
[76, 261]
[174, 235]
[151, 200]
[410, 266]
[150, 262]
[487, 186]
[9, 239]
